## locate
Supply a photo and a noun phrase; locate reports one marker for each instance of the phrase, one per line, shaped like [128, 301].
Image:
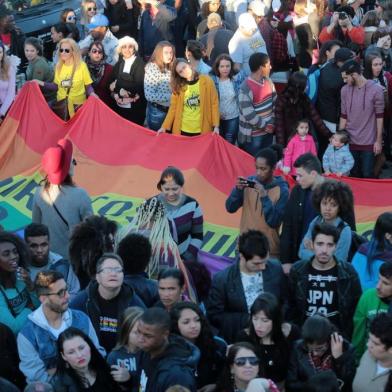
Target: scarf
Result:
[96, 70]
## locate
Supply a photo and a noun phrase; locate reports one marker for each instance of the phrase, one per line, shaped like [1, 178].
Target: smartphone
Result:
[250, 183]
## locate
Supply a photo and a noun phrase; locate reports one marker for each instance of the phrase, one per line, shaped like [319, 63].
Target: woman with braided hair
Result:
[153, 222]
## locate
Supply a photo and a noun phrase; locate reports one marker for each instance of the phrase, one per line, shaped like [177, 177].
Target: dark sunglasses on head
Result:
[241, 361]
[92, 9]
[65, 50]
[96, 51]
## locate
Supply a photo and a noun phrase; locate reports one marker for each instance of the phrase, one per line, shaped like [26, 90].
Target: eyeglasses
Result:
[127, 46]
[61, 293]
[65, 50]
[108, 270]
[96, 51]
[92, 9]
[241, 361]
[319, 349]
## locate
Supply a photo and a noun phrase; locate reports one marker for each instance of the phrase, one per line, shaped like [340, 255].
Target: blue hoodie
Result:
[368, 278]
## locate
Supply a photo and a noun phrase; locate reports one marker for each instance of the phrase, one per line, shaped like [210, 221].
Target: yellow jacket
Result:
[209, 108]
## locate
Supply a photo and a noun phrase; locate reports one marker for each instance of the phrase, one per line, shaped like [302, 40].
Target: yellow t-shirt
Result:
[80, 79]
[191, 112]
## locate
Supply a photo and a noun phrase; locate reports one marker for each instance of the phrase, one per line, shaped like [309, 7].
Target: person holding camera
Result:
[342, 29]
[263, 198]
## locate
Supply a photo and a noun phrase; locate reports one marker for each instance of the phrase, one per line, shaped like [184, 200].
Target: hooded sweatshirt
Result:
[369, 306]
[369, 277]
[104, 314]
[176, 365]
[37, 345]
[261, 213]
[361, 107]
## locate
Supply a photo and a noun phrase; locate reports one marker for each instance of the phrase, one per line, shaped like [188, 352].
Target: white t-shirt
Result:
[253, 287]
[241, 48]
[381, 369]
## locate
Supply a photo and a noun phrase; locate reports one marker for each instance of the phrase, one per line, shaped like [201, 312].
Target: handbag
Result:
[61, 107]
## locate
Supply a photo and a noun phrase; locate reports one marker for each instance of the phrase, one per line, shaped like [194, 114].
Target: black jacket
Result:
[348, 291]
[226, 304]
[104, 383]
[146, 289]
[328, 97]
[293, 221]
[87, 302]
[17, 48]
[300, 368]
[119, 15]
[176, 365]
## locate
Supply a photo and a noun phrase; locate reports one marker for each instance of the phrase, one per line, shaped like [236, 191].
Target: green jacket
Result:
[368, 307]
[40, 69]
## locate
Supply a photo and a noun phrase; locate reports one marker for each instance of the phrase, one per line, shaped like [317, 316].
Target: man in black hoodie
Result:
[170, 359]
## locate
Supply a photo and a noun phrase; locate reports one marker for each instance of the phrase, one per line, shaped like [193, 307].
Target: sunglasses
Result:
[71, 17]
[241, 361]
[96, 51]
[91, 9]
[65, 50]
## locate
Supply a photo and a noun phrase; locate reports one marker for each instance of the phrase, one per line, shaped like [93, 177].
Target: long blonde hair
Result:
[151, 217]
[5, 64]
[76, 55]
[84, 17]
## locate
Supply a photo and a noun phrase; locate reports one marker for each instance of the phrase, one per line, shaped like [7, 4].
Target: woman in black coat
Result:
[127, 82]
[122, 21]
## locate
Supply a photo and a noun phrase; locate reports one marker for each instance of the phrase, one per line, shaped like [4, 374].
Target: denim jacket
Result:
[236, 81]
[37, 345]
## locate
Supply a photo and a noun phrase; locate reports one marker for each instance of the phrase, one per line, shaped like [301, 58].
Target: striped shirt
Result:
[256, 102]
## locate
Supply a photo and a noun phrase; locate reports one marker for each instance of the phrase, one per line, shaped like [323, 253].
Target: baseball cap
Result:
[246, 21]
[258, 7]
[343, 54]
[98, 20]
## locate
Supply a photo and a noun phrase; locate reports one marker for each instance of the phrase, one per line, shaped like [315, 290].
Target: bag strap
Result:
[58, 212]
[60, 215]
[10, 308]
[68, 89]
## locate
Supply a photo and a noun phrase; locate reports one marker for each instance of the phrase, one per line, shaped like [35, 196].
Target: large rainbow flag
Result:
[119, 163]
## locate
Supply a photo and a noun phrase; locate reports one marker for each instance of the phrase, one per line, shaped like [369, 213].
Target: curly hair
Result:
[338, 191]
[21, 247]
[205, 341]
[89, 240]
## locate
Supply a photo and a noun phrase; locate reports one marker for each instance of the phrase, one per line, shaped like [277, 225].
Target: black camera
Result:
[343, 15]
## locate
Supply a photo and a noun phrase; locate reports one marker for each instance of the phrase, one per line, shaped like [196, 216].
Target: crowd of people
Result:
[306, 304]
[313, 77]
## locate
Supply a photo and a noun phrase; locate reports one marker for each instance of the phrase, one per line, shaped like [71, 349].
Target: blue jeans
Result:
[363, 164]
[155, 117]
[229, 129]
[257, 143]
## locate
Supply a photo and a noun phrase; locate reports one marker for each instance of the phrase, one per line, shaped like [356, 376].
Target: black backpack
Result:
[356, 240]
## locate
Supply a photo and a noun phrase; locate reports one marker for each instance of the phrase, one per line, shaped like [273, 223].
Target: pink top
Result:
[297, 147]
[7, 91]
